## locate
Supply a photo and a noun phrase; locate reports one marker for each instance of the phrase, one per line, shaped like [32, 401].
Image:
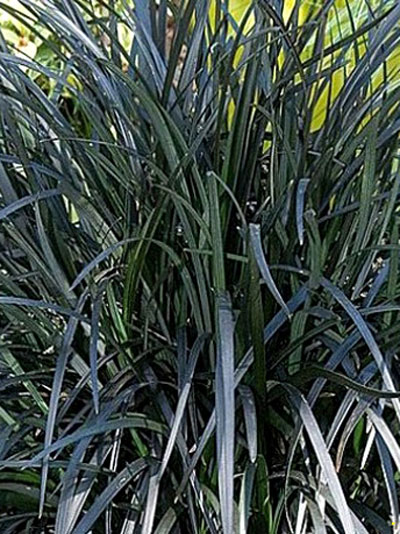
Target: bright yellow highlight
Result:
[237, 9]
[339, 25]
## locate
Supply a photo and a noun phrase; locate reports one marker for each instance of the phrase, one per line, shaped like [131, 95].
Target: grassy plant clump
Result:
[199, 267]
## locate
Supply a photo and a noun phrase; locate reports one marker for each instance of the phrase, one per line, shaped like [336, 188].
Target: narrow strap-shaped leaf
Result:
[390, 480]
[27, 201]
[365, 332]
[98, 259]
[55, 268]
[94, 339]
[193, 357]
[6, 187]
[325, 461]
[386, 434]
[255, 238]
[225, 410]
[18, 371]
[167, 522]
[316, 516]
[300, 197]
[61, 365]
[131, 421]
[104, 499]
[245, 497]
[151, 502]
[250, 420]
[41, 304]
[314, 371]
[244, 365]
[216, 234]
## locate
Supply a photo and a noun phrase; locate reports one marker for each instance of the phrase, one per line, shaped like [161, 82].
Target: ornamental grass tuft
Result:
[199, 267]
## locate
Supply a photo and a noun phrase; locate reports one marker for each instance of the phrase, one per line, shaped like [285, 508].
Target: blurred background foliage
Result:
[342, 18]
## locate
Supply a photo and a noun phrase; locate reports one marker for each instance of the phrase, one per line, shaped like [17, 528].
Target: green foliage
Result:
[199, 290]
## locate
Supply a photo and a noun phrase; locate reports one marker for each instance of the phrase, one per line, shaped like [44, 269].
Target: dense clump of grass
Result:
[199, 283]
